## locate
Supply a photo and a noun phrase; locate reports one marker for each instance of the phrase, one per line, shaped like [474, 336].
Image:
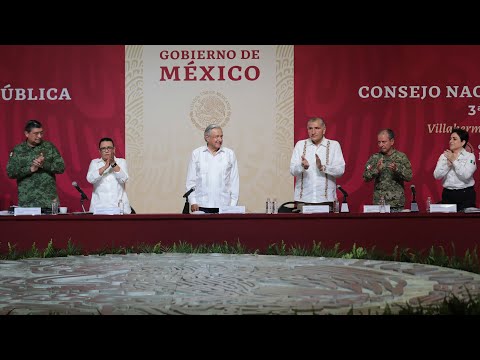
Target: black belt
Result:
[470, 187]
[209, 210]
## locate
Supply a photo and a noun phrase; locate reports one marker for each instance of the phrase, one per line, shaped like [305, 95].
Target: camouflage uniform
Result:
[389, 184]
[39, 188]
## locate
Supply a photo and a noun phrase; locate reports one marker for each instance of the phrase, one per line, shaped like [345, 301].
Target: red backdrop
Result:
[327, 81]
[95, 79]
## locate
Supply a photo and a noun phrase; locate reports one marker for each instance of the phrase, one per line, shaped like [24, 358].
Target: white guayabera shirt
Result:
[215, 178]
[460, 175]
[108, 188]
[317, 186]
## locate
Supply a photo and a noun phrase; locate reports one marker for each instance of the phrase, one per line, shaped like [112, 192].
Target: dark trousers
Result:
[464, 198]
[209, 210]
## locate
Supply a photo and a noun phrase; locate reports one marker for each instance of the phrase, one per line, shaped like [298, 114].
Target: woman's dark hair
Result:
[463, 134]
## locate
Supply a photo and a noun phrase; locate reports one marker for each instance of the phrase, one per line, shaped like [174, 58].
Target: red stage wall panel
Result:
[94, 77]
[327, 83]
[254, 231]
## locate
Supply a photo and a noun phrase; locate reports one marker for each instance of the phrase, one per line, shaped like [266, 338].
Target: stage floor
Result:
[222, 284]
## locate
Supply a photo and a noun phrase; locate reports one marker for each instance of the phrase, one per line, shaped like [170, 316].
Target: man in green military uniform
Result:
[390, 169]
[34, 164]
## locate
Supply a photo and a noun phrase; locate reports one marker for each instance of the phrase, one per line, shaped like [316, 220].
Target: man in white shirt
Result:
[108, 174]
[316, 163]
[213, 172]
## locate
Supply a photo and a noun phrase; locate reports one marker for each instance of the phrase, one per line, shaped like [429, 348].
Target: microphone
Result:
[342, 191]
[75, 185]
[412, 187]
[344, 208]
[188, 192]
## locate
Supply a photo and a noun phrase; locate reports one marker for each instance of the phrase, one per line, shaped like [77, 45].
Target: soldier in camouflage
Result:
[390, 169]
[34, 164]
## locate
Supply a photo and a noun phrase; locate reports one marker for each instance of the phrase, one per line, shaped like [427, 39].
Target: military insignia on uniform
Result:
[472, 162]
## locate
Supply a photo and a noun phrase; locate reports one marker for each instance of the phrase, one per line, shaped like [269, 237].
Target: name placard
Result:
[231, 210]
[374, 208]
[27, 211]
[315, 209]
[443, 208]
[107, 211]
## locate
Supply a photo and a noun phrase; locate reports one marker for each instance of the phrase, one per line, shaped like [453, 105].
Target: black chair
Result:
[296, 206]
[287, 208]
[133, 211]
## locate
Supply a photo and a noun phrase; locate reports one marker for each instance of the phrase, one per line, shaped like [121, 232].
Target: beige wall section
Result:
[134, 144]
[283, 185]
[165, 122]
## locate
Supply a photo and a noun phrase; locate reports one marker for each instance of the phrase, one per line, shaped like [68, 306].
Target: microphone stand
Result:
[414, 205]
[82, 198]
[344, 208]
[186, 207]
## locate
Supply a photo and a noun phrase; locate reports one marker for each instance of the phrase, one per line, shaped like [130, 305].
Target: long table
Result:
[417, 231]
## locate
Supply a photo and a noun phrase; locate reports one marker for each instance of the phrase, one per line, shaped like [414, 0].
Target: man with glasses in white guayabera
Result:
[108, 175]
[213, 172]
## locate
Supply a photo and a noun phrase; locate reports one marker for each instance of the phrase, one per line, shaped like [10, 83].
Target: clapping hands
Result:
[450, 156]
[305, 163]
[37, 162]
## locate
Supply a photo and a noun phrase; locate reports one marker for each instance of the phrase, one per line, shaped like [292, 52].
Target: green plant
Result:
[239, 248]
[274, 249]
[451, 305]
[434, 256]
[33, 252]
[356, 253]
[157, 248]
[69, 250]
[299, 251]
[49, 251]
[182, 247]
[12, 252]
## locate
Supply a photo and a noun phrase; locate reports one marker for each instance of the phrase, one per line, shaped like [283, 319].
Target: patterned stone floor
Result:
[221, 284]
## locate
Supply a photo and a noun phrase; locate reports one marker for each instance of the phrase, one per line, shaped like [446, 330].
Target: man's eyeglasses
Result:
[103, 149]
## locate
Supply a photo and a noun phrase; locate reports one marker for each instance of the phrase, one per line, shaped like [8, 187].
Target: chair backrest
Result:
[287, 207]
